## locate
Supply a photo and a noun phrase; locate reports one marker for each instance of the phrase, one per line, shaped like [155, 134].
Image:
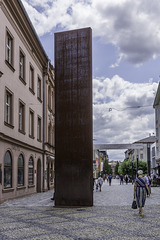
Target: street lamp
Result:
[132, 170]
[137, 167]
[148, 159]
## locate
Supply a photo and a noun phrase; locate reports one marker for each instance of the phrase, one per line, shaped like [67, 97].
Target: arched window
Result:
[7, 170]
[31, 171]
[20, 170]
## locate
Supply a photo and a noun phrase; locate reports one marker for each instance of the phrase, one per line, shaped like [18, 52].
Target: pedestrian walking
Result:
[96, 182]
[148, 179]
[126, 179]
[109, 179]
[121, 179]
[104, 177]
[100, 182]
[140, 191]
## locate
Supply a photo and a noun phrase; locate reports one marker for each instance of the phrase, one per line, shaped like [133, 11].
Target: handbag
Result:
[134, 204]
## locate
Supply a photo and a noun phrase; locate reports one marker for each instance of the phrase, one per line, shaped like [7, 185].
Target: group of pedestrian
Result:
[142, 187]
[98, 182]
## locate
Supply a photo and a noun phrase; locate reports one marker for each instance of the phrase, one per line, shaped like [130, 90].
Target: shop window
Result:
[7, 170]
[20, 170]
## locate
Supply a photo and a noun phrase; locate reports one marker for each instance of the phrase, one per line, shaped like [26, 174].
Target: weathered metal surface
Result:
[73, 122]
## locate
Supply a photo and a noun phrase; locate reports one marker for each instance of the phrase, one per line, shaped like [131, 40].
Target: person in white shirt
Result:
[100, 182]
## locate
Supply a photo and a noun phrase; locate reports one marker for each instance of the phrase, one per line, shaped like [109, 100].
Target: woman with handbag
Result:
[140, 187]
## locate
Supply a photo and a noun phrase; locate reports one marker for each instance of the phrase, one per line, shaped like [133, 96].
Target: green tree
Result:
[107, 168]
[126, 167]
[116, 168]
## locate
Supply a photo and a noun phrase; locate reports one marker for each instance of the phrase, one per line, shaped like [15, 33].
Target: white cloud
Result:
[123, 111]
[132, 26]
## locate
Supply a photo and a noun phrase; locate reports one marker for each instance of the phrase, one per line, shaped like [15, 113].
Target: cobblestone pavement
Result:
[111, 217]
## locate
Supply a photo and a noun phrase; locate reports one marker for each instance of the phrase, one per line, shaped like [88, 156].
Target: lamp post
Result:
[148, 159]
[132, 170]
[137, 167]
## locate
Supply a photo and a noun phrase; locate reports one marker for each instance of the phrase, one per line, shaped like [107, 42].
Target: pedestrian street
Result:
[111, 217]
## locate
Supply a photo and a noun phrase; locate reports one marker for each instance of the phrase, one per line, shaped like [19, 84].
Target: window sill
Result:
[8, 124]
[6, 190]
[31, 186]
[39, 99]
[39, 140]
[20, 187]
[10, 65]
[31, 136]
[21, 131]
[32, 91]
[22, 80]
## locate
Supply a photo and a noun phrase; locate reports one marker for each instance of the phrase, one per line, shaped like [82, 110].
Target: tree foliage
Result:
[126, 167]
[107, 168]
[116, 168]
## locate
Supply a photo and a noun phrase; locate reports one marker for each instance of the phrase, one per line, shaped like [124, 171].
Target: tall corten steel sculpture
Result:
[73, 121]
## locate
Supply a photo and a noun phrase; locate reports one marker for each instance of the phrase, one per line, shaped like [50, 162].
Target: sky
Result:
[126, 60]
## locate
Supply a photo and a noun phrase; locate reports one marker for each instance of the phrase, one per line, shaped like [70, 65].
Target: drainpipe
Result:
[44, 121]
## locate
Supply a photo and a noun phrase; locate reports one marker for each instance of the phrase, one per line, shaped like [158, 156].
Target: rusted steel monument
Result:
[73, 122]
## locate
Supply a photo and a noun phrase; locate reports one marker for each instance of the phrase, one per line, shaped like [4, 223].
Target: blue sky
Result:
[126, 60]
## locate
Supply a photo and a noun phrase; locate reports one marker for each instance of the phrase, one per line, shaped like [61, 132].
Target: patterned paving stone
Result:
[35, 218]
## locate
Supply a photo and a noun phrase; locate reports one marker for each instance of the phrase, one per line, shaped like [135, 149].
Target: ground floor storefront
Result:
[24, 170]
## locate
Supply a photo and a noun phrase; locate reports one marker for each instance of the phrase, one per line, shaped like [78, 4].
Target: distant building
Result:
[98, 161]
[143, 154]
[27, 107]
[113, 165]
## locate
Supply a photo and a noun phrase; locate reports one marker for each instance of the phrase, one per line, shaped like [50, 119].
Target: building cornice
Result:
[16, 142]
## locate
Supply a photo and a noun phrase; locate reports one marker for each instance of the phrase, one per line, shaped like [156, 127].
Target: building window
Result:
[31, 171]
[39, 129]
[21, 170]
[49, 98]
[21, 117]
[31, 124]
[49, 134]
[51, 173]
[53, 101]
[31, 79]
[9, 49]
[153, 151]
[9, 108]
[22, 66]
[141, 156]
[7, 170]
[39, 88]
